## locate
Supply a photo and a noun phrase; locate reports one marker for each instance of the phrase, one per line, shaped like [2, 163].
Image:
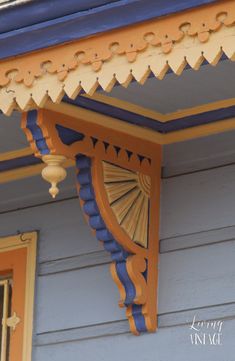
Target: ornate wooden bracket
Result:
[118, 179]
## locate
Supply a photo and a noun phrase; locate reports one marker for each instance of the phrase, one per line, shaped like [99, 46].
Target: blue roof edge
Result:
[40, 24]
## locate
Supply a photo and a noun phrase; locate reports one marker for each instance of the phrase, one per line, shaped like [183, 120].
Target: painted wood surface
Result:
[36, 25]
[195, 155]
[209, 38]
[169, 341]
[197, 202]
[75, 297]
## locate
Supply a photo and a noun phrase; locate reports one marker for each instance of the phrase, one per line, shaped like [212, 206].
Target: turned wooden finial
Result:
[54, 172]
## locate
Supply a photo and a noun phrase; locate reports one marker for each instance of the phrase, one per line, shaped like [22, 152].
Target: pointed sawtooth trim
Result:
[157, 46]
[118, 255]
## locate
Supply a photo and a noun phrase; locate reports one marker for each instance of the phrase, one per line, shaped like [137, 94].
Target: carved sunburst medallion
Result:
[129, 196]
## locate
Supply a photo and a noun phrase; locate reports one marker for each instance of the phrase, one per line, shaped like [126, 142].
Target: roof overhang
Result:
[28, 25]
[173, 43]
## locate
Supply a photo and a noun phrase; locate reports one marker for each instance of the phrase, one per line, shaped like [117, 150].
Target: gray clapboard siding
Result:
[77, 298]
[221, 312]
[197, 202]
[63, 229]
[166, 245]
[197, 154]
[33, 191]
[225, 234]
[82, 333]
[188, 279]
[169, 343]
[74, 263]
[198, 277]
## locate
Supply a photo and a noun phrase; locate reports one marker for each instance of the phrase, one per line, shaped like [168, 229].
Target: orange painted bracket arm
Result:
[118, 180]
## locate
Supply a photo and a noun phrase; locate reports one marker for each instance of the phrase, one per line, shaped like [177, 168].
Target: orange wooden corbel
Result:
[118, 179]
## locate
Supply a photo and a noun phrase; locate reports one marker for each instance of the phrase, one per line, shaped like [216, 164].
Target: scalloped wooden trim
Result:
[119, 56]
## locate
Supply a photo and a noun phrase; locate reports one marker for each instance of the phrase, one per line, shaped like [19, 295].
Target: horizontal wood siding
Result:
[170, 343]
[76, 307]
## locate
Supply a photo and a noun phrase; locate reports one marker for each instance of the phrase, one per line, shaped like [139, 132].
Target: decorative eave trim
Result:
[187, 38]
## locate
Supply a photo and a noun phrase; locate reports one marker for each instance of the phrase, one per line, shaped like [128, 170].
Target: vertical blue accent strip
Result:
[91, 209]
[36, 132]
[127, 283]
[118, 254]
[139, 318]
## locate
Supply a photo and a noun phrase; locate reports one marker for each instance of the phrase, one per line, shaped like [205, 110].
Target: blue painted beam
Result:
[40, 24]
[25, 14]
[140, 120]
[19, 163]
